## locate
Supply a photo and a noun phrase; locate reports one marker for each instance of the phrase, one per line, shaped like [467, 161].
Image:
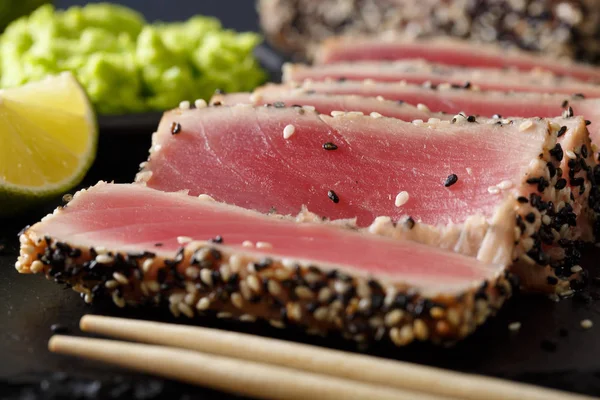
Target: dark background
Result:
[550, 350]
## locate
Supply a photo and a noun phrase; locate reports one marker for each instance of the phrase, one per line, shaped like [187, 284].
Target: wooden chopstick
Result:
[354, 367]
[226, 374]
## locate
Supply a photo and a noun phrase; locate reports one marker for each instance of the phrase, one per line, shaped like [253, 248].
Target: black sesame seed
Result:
[530, 217]
[467, 85]
[557, 152]
[569, 112]
[584, 151]
[341, 79]
[471, 118]
[279, 104]
[551, 280]
[588, 122]
[175, 128]
[562, 131]
[551, 169]
[330, 146]
[522, 199]
[579, 95]
[216, 103]
[400, 101]
[158, 244]
[451, 180]
[560, 184]
[565, 104]
[409, 223]
[58, 328]
[217, 239]
[333, 196]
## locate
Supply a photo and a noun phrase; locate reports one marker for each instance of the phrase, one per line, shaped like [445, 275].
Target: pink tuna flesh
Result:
[419, 71]
[239, 155]
[448, 52]
[133, 218]
[472, 102]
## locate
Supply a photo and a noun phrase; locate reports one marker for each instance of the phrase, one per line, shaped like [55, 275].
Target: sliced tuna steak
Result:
[419, 72]
[142, 246]
[348, 167]
[448, 52]
[327, 104]
[452, 100]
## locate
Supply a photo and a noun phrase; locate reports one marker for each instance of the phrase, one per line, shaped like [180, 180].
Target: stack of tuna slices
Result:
[386, 193]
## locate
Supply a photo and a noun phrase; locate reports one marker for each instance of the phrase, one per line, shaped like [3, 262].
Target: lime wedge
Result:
[48, 138]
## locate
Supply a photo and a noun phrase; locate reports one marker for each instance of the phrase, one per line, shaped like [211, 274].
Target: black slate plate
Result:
[538, 354]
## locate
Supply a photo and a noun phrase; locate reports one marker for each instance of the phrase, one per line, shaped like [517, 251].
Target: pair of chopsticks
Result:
[275, 369]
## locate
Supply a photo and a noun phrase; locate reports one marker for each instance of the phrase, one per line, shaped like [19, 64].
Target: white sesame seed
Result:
[147, 264]
[203, 304]
[176, 297]
[185, 310]
[224, 315]
[276, 324]
[324, 294]
[420, 329]
[253, 283]
[505, 185]
[376, 115]
[576, 268]
[36, 266]
[192, 272]
[493, 190]
[118, 300]
[119, 277]
[423, 107]
[273, 287]
[417, 121]
[309, 108]
[587, 324]
[225, 272]
[368, 81]
[205, 197]
[294, 311]
[304, 292]
[143, 176]
[235, 263]
[469, 170]
[337, 113]
[401, 199]
[237, 300]
[525, 125]
[514, 326]
[88, 298]
[190, 298]
[288, 131]
[185, 105]
[380, 98]
[104, 259]
[247, 243]
[200, 103]
[364, 304]
[546, 220]
[571, 154]
[554, 126]
[247, 318]
[393, 317]
[264, 245]
[206, 276]
[320, 313]
[183, 239]
[433, 121]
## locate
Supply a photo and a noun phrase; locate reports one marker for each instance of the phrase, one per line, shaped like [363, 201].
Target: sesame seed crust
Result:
[320, 300]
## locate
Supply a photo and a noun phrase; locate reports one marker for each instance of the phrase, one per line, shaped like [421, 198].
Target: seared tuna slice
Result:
[448, 52]
[327, 104]
[556, 28]
[445, 98]
[444, 182]
[419, 72]
[140, 246]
